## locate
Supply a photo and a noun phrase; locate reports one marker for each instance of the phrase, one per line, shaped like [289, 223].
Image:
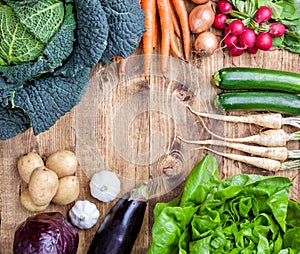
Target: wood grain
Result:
[128, 118]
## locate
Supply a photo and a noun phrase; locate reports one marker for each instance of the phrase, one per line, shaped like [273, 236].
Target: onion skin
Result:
[206, 44]
[200, 1]
[201, 18]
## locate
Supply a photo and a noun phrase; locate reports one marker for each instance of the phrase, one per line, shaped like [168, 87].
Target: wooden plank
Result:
[150, 133]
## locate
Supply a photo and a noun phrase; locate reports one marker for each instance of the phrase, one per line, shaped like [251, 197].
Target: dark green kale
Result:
[126, 27]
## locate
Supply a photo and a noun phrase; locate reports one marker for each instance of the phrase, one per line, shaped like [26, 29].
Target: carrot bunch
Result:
[172, 17]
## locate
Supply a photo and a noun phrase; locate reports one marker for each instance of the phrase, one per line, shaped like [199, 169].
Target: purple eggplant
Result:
[121, 226]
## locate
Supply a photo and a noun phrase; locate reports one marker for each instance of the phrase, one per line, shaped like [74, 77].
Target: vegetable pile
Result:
[171, 27]
[241, 214]
[53, 181]
[47, 48]
[258, 25]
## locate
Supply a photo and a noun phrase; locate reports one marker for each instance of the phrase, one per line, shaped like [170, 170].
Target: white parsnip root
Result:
[275, 153]
[262, 163]
[270, 138]
[269, 120]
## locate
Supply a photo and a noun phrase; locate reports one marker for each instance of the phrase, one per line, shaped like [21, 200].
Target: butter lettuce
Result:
[241, 214]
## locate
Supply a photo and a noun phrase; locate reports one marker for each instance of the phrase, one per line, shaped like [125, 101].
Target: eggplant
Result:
[46, 233]
[121, 226]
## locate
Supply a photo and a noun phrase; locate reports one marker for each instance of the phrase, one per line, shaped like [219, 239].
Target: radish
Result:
[247, 38]
[220, 21]
[262, 163]
[277, 29]
[231, 40]
[252, 50]
[270, 120]
[274, 153]
[263, 14]
[236, 51]
[263, 41]
[224, 6]
[236, 27]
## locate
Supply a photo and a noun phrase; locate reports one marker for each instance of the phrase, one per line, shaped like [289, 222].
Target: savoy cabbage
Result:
[47, 48]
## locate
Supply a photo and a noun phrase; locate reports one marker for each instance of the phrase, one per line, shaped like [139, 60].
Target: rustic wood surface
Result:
[147, 131]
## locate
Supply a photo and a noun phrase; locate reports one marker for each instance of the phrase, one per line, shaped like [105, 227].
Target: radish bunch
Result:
[247, 31]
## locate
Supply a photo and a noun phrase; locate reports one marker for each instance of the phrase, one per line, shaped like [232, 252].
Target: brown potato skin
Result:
[42, 186]
[68, 190]
[27, 202]
[27, 163]
[63, 163]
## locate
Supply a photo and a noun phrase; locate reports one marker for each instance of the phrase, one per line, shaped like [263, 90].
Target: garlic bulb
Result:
[105, 185]
[84, 214]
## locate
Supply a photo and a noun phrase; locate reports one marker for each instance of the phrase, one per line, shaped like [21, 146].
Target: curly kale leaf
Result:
[126, 27]
[54, 54]
[12, 122]
[42, 18]
[47, 99]
[91, 35]
[13, 34]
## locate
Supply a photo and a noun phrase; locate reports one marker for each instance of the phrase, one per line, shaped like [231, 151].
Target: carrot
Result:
[174, 47]
[155, 33]
[175, 20]
[149, 7]
[165, 23]
[269, 120]
[184, 22]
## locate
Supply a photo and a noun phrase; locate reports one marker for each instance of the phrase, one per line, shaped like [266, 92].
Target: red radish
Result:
[236, 51]
[277, 29]
[263, 14]
[226, 31]
[252, 50]
[247, 38]
[236, 27]
[231, 40]
[263, 41]
[220, 21]
[224, 6]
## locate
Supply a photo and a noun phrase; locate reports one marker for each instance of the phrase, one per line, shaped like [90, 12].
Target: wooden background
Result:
[167, 158]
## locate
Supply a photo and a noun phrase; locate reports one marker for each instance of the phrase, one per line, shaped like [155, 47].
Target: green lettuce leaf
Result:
[241, 214]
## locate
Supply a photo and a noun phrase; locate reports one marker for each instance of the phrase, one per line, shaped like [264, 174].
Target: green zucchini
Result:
[243, 78]
[279, 102]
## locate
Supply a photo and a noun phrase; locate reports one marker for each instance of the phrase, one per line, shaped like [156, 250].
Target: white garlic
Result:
[84, 214]
[105, 185]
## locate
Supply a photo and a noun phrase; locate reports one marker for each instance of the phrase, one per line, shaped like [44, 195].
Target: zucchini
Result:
[243, 78]
[284, 103]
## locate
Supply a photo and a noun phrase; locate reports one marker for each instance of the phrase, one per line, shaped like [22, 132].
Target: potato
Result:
[27, 163]
[68, 190]
[42, 186]
[63, 163]
[27, 202]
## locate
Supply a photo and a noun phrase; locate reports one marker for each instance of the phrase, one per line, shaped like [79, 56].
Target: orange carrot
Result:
[155, 33]
[174, 47]
[175, 20]
[184, 22]
[165, 23]
[149, 7]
